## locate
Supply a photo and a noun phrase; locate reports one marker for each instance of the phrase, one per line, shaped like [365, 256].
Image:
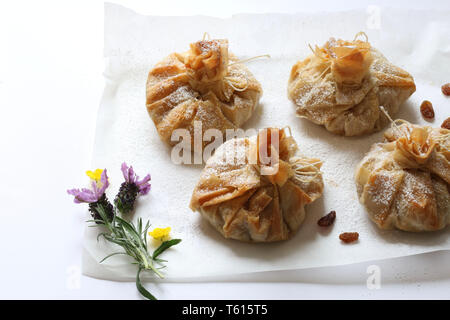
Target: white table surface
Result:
[51, 64]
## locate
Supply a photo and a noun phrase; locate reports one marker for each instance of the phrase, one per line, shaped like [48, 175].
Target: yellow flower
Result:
[96, 175]
[160, 233]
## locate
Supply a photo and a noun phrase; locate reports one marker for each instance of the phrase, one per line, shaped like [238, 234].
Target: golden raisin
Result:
[446, 124]
[348, 237]
[426, 108]
[327, 220]
[446, 89]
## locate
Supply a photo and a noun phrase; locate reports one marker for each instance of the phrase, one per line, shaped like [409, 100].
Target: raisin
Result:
[446, 124]
[327, 220]
[348, 237]
[426, 108]
[446, 89]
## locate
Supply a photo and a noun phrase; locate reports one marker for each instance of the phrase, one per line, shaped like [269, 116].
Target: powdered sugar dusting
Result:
[180, 95]
[383, 191]
[126, 133]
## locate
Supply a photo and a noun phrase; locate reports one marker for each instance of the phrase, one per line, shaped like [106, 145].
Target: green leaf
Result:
[147, 225]
[118, 203]
[141, 288]
[130, 228]
[164, 246]
[95, 220]
[144, 233]
[139, 226]
[116, 241]
[101, 235]
[101, 212]
[110, 255]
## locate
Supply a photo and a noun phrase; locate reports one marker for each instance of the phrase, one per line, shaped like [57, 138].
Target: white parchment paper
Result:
[419, 42]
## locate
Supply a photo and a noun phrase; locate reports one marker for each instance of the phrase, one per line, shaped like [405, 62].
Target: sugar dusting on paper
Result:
[135, 43]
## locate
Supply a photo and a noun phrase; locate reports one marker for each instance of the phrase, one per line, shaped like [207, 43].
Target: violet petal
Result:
[124, 169]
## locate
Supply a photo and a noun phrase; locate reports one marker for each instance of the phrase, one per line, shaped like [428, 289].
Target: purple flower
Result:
[131, 178]
[90, 196]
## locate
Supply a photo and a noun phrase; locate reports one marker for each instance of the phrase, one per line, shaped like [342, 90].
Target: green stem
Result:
[148, 265]
[144, 259]
[141, 288]
[134, 242]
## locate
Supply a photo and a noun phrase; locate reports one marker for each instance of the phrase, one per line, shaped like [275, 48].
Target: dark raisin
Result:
[446, 89]
[348, 237]
[327, 220]
[446, 124]
[426, 108]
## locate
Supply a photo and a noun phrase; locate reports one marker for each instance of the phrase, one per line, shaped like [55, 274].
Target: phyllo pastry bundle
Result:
[404, 182]
[248, 199]
[207, 83]
[342, 84]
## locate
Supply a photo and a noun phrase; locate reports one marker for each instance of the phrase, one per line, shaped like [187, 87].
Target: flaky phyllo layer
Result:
[404, 182]
[343, 83]
[255, 189]
[205, 84]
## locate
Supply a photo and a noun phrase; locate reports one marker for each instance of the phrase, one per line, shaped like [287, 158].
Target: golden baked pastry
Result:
[404, 182]
[206, 84]
[342, 84]
[252, 200]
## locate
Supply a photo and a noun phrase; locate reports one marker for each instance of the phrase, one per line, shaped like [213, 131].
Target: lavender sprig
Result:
[132, 238]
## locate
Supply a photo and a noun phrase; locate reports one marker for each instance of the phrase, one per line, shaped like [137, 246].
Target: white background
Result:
[51, 65]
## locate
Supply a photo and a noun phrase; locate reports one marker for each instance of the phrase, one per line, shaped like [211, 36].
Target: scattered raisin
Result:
[446, 89]
[426, 108]
[327, 220]
[446, 124]
[348, 237]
